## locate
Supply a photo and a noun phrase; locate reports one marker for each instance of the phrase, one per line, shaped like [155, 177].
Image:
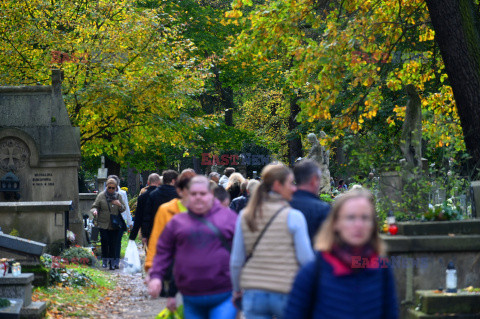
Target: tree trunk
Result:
[456, 24]
[295, 149]
[113, 167]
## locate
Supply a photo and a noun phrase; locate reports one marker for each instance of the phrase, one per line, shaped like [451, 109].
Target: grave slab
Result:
[17, 287]
[456, 303]
[12, 311]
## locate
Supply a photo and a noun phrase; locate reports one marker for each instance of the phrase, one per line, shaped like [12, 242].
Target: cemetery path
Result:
[129, 299]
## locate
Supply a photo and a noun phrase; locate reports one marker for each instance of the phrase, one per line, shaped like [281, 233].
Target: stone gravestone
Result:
[102, 176]
[41, 148]
[321, 156]
[28, 253]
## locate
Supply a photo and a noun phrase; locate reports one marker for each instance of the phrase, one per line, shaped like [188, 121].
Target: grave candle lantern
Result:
[451, 278]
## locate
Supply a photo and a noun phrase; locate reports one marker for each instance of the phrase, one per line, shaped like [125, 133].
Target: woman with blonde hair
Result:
[349, 278]
[234, 185]
[108, 203]
[271, 242]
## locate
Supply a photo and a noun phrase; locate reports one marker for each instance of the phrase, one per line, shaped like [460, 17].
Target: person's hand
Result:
[154, 287]
[95, 213]
[117, 202]
[236, 297]
[171, 304]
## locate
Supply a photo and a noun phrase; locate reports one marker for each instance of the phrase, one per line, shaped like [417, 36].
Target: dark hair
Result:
[305, 170]
[169, 175]
[270, 174]
[221, 193]
[184, 178]
[229, 171]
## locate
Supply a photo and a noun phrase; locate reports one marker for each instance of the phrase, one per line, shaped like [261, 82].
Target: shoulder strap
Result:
[263, 232]
[316, 284]
[214, 229]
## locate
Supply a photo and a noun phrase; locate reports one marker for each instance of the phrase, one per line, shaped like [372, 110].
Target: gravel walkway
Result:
[129, 299]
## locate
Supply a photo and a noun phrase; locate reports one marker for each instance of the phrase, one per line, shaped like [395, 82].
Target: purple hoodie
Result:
[201, 262]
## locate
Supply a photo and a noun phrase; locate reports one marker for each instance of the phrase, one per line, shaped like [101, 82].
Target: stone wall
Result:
[85, 203]
[43, 222]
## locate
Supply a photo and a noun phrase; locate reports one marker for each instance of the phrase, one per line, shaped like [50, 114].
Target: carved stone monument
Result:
[41, 149]
[412, 130]
[321, 156]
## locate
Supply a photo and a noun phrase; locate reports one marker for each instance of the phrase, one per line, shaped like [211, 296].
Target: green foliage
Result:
[419, 193]
[69, 278]
[14, 232]
[75, 301]
[4, 303]
[441, 212]
[78, 253]
[327, 198]
[42, 274]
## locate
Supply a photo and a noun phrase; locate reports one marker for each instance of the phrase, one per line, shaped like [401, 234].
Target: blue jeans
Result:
[262, 304]
[218, 306]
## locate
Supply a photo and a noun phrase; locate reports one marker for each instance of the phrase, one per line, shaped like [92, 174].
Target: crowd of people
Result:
[269, 248]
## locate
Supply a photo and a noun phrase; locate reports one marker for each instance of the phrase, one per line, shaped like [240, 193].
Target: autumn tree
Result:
[351, 61]
[130, 75]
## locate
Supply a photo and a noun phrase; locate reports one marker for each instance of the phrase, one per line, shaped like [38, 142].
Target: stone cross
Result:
[10, 156]
[102, 175]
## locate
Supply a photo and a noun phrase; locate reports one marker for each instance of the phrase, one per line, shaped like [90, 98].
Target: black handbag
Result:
[117, 220]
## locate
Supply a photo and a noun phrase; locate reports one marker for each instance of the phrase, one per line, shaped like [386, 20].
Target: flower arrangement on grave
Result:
[71, 237]
[445, 211]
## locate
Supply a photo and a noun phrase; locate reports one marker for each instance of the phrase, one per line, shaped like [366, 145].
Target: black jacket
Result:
[163, 194]
[239, 203]
[314, 210]
[140, 211]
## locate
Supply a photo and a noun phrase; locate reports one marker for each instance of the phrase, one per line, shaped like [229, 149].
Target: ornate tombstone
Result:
[38, 146]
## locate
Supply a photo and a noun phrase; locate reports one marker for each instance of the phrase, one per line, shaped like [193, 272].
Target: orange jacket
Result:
[164, 213]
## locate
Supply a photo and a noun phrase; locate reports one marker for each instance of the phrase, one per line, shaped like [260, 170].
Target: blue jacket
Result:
[363, 294]
[314, 210]
[239, 203]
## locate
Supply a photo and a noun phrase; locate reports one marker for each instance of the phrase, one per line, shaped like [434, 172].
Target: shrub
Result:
[69, 277]
[326, 198]
[77, 254]
[4, 302]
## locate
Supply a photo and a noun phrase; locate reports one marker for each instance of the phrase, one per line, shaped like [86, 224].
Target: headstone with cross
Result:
[102, 175]
[41, 148]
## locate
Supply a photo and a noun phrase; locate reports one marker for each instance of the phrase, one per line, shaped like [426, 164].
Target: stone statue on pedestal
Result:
[412, 129]
[321, 156]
